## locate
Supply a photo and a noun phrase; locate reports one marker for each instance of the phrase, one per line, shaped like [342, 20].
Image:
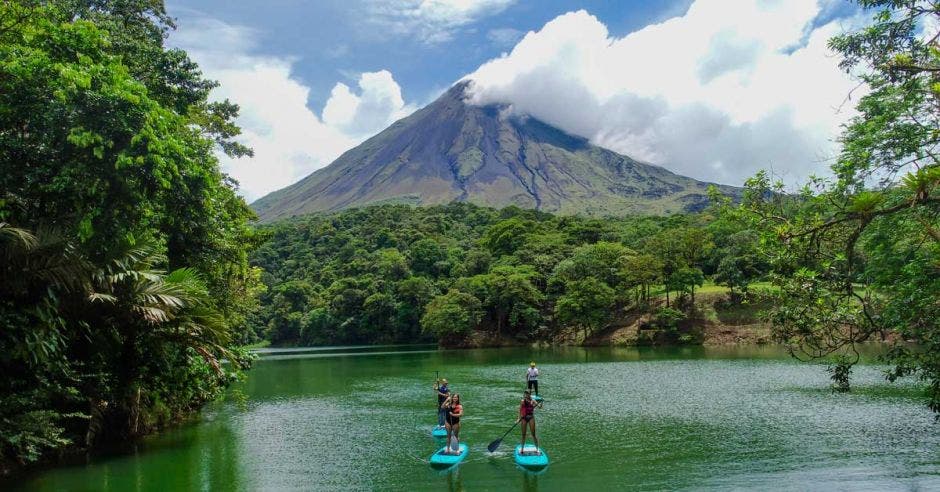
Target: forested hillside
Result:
[395, 273]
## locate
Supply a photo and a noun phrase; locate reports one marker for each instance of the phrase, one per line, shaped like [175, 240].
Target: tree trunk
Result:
[127, 395]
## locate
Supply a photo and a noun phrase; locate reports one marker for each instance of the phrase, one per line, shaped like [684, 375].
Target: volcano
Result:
[451, 150]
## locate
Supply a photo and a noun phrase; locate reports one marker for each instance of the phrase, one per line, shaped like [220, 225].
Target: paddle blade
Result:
[494, 445]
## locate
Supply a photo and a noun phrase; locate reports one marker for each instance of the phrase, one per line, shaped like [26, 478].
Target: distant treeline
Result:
[396, 273]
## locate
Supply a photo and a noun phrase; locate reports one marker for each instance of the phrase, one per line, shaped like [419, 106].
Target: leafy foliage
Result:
[454, 313]
[858, 258]
[124, 248]
[395, 273]
[585, 303]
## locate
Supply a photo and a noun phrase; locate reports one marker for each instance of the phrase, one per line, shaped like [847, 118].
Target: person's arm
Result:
[521, 409]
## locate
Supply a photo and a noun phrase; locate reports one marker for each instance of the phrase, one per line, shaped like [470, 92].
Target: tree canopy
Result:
[128, 244]
[857, 257]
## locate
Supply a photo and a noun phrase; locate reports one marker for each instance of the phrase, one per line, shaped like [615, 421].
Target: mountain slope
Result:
[450, 150]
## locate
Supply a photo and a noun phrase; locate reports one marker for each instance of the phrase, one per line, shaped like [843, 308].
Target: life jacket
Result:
[442, 394]
[528, 407]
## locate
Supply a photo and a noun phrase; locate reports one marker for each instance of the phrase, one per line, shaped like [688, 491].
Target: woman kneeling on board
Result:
[527, 416]
[454, 411]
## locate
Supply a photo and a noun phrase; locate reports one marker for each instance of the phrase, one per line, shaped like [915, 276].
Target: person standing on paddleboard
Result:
[532, 378]
[454, 411]
[443, 391]
[527, 416]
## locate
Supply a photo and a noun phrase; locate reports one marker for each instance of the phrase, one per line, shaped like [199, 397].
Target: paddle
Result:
[495, 444]
[437, 384]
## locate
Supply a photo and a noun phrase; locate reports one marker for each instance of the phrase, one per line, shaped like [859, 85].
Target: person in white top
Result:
[532, 378]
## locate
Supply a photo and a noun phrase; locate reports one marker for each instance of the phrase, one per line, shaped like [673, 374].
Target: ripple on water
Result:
[613, 419]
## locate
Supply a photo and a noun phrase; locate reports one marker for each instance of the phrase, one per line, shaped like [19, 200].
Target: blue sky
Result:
[713, 89]
[331, 42]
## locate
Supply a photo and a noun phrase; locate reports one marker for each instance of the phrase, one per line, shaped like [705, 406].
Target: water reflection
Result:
[695, 417]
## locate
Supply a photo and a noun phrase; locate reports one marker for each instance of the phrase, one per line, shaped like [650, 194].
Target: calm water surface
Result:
[348, 418]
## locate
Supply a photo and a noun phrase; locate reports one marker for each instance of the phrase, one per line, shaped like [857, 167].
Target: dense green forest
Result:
[125, 280]
[395, 273]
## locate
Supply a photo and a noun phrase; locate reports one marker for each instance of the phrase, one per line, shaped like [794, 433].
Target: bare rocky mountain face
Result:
[453, 151]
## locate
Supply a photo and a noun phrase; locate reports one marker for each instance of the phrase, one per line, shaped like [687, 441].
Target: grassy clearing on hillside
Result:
[711, 288]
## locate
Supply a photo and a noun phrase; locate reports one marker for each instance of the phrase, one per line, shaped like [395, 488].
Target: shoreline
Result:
[711, 322]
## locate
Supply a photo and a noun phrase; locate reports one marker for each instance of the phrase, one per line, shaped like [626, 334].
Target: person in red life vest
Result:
[527, 416]
[454, 410]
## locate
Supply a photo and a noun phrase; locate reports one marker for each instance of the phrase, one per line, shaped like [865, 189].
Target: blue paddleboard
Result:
[439, 431]
[441, 460]
[537, 398]
[530, 460]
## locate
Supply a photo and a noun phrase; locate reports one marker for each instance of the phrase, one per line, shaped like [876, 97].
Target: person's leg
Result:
[524, 425]
[534, 436]
[440, 416]
[450, 430]
[535, 385]
[457, 435]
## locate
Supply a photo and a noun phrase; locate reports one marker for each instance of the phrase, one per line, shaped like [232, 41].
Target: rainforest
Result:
[138, 286]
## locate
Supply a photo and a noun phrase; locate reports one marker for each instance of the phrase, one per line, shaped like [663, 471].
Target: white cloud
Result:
[431, 21]
[718, 93]
[378, 105]
[289, 140]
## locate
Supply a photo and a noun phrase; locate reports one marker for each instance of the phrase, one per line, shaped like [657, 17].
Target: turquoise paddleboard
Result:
[530, 460]
[441, 460]
[439, 431]
[537, 398]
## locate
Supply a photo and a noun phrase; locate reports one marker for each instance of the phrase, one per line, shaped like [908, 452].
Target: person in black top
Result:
[454, 411]
[443, 391]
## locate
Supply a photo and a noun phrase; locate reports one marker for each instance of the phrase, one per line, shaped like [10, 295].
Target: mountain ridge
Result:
[453, 151]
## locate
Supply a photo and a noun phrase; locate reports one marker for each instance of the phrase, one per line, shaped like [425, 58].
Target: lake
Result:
[341, 418]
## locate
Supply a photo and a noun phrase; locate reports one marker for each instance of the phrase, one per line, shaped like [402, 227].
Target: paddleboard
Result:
[439, 431]
[441, 460]
[530, 460]
[537, 398]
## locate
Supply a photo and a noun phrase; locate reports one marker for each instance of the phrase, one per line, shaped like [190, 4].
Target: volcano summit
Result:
[451, 150]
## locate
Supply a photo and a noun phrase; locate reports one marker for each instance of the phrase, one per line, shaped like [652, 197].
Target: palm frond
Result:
[23, 237]
[99, 297]
[40, 258]
[151, 314]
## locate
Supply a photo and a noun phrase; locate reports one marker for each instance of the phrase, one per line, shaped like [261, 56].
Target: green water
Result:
[353, 418]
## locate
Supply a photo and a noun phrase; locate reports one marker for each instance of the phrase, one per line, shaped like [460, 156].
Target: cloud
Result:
[378, 105]
[431, 21]
[288, 138]
[718, 93]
